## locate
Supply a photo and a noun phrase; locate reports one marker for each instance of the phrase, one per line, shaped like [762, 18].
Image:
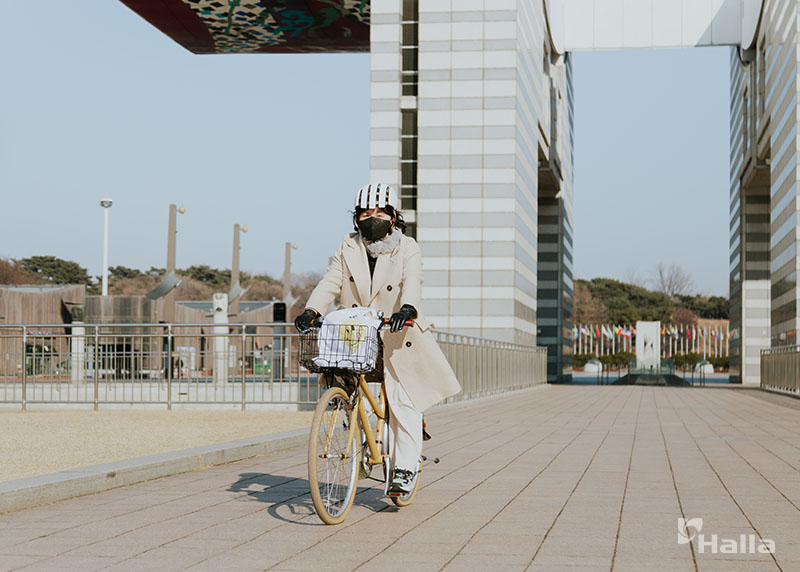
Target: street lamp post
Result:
[235, 266]
[287, 276]
[279, 346]
[106, 204]
[169, 299]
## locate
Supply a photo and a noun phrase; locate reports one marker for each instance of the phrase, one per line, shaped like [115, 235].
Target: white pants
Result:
[405, 426]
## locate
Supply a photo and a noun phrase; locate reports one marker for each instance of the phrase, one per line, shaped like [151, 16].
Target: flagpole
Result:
[705, 338]
[727, 340]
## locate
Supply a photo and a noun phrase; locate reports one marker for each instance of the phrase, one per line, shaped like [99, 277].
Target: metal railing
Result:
[485, 367]
[233, 365]
[780, 369]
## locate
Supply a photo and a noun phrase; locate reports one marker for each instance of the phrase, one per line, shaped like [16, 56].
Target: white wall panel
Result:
[608, 24]
[696, 22]
[637, 23]
[725, 29]
[667, 22]
[618, 24]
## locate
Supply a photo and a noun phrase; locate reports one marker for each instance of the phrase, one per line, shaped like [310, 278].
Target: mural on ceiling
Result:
[247, 26]
[261, 26]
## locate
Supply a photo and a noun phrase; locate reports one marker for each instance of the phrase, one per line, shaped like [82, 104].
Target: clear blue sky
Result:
[96, 102]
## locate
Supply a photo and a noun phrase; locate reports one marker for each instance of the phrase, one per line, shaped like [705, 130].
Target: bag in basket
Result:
[348, 339]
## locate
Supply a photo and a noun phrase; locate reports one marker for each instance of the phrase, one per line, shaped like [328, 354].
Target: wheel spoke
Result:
[333, 457]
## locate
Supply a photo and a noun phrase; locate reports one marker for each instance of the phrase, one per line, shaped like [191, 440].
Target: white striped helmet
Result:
[376, 195]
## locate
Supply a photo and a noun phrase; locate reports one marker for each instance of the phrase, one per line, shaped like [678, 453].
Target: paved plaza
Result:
[584, 478]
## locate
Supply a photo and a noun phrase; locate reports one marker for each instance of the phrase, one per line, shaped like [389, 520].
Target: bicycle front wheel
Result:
[333, 457]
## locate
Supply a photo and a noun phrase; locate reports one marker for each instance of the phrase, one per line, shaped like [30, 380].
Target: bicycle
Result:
[347, 440]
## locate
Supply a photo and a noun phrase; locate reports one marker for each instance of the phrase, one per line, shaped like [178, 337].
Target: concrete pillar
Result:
[77, 353]
[220, 339]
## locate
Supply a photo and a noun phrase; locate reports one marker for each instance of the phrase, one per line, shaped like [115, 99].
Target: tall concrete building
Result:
[471, 118]
[764, 185]
[471, 115]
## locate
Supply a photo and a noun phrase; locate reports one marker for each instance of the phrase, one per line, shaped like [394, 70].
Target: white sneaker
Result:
[402, 482]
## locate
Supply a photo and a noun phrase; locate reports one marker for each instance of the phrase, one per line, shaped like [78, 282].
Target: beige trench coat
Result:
[412, 356]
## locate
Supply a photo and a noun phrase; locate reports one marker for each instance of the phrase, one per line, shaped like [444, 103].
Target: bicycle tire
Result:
[332, 466]
[407, 499]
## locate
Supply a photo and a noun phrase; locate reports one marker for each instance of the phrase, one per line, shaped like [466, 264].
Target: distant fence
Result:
[780, 369]
[209, 364]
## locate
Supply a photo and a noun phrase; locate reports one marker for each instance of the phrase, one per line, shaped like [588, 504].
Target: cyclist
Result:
[379, 267]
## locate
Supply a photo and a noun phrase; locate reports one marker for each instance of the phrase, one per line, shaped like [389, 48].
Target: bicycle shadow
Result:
[290, 500]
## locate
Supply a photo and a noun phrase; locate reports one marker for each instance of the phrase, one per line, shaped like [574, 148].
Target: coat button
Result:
[408, 344]
[389, 287]
[355, 305]
[351, 279]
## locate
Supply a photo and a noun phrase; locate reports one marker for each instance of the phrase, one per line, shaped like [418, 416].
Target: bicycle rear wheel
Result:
[401, 500]
[333, 458]
[406, 499]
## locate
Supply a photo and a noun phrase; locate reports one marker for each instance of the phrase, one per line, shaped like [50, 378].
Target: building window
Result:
[408, 160]
[410, 47]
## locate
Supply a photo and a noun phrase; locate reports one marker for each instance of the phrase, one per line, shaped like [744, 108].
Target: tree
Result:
[217, 279]
[11, 272]
[709, 307]
[632, 276]
[123, 272]
[587, 308]
[672, 280]
[627, 303]
[303, 285]
[56, 270]
[684, 317]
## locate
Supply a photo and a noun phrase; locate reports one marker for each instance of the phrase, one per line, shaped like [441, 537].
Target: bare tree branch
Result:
[632, 276]
[672, 280]
[587, 308]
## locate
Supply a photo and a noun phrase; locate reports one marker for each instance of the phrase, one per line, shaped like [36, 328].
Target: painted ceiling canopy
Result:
[260, 26]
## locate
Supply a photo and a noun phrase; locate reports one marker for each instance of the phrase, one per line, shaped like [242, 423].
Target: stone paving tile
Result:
[17, 561]
[65, 563]
[561, 478]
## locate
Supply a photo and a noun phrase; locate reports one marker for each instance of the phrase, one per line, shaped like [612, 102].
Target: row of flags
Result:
[612, 331]
[603, 330]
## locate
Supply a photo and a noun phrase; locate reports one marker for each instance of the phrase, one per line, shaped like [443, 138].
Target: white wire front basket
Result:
[349, 347]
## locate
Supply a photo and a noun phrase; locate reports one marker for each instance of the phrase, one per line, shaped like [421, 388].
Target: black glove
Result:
[398, 319]
[305, 320]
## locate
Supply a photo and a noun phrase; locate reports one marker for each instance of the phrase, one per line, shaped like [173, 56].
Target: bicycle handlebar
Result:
[406, 323]
[318, 323]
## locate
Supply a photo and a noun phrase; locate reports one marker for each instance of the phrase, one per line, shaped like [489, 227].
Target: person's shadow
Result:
[290, 499]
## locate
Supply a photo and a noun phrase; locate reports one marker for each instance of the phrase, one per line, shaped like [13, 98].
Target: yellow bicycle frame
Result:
[375, 454]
